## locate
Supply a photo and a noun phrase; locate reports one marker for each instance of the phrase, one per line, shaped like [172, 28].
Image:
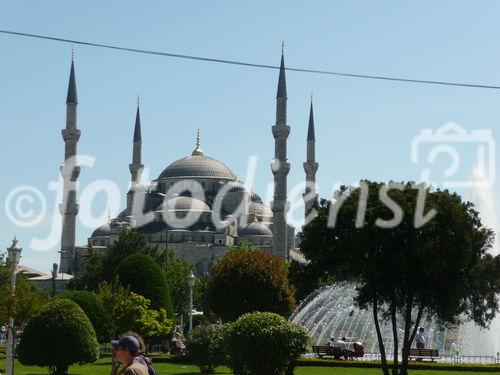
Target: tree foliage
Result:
[249, 280]
[406, 271]
[60, 335]
[132, 312]
[101, 265]
[95, 311]
[143, 276]
[264, 343]
[176, 271]
[27, 301]
[306, 278]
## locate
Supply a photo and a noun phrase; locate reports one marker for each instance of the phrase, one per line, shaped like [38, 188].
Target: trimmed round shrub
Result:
[60, 335]
[144, 276]
[95, 311]
[263, 343]
[205, 347]
[249, 280]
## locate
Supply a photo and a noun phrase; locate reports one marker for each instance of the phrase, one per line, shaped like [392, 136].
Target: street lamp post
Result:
[191, 281]
[14, 254]
[164, 213]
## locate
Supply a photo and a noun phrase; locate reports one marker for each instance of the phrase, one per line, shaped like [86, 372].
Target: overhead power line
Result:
[249, 64]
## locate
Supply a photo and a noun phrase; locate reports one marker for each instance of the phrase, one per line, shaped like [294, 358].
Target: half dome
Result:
[185, 204]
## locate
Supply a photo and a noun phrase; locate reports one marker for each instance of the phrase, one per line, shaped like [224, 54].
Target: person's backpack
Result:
[151, 369]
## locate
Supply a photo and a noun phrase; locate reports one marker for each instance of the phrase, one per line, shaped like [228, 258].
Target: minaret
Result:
[136, 167]
[70, 172]
[280, 168]
[310, 167]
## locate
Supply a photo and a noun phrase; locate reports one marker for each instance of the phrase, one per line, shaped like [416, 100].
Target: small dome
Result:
[185, 204]
[236, 186]
[197, 166]
[255, 229]
[102, 231]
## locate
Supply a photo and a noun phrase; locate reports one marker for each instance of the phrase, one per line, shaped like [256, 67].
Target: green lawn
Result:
[102, 367]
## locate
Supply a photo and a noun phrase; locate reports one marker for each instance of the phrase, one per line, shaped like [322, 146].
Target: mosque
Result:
[196, 206]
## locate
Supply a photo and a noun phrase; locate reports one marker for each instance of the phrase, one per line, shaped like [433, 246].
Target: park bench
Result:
[327, 351]
[416, 353]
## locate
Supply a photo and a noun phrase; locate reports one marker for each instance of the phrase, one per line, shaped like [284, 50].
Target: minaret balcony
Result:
[69, 208]
[71, 135]
[280, 168]
[281, 132]
[280, 205]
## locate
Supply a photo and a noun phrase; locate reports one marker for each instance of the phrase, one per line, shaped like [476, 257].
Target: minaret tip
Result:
[283, 47]
[310, 129]
[282, 79]
[72, 97]
[137, 129]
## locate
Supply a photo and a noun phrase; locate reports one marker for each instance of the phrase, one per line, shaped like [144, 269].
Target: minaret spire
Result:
[136, 167]
[310, 167]
[70, 172]
[72, 97]
[280, 168]
[137, 128]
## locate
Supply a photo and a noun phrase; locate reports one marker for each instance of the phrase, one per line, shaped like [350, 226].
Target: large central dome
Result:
[197, 166]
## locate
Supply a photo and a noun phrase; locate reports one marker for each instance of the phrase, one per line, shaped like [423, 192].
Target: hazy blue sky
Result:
[364, 128]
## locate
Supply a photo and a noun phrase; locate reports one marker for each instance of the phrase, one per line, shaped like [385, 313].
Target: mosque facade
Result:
[196, 206]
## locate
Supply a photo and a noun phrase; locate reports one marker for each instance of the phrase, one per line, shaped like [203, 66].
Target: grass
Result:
[102, 367]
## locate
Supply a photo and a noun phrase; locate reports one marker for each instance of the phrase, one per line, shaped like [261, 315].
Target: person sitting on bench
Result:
[419, 338]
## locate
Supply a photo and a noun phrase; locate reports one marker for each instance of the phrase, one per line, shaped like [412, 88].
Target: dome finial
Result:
[254, 214]
[197, 151]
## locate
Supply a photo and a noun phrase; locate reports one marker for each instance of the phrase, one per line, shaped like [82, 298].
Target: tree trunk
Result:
[409, 339]
[381, 345]
[395, 339]
[58, 370]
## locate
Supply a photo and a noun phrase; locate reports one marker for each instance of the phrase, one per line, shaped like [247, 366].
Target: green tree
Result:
[143, 276]
[249, 280]
[132, 312]
[306, 278]
[409, 269]
[95, 311]
[60, 335]
[27, 301]
[264, 344]
[176, 271]
[101, 265]
[89, 277]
